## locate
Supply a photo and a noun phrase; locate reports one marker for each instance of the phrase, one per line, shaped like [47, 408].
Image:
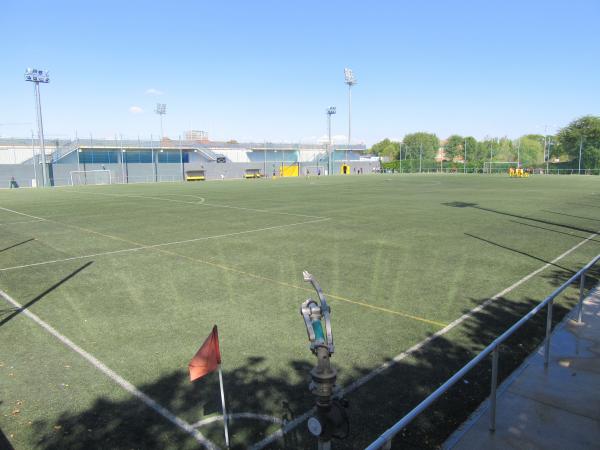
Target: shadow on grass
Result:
[374, 407]
[16, 245]
[11, 313]
[576, 236]
[570, 215]
[517, 216]
[517, 251]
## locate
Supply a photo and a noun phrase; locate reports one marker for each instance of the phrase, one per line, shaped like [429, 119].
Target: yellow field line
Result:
[250, 274]
[302, 288]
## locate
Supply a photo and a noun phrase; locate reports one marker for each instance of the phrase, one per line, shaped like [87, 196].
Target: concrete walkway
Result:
[553, 408]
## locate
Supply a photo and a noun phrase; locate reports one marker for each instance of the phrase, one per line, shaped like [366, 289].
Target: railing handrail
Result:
[410, 416]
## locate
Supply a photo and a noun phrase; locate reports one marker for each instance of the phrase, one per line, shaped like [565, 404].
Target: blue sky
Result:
[266, 70]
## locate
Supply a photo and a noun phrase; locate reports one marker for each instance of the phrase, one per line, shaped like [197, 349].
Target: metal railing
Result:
[385, 439]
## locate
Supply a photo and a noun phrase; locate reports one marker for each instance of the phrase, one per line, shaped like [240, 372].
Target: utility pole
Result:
[465, 158]
[580, 151]
[330, 111]
[161, 110]
[491, 155]
[350, 80]
[38, 76]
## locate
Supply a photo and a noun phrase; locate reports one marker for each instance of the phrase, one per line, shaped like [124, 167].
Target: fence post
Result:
[548, 331]
[581, 296]
[495, 355]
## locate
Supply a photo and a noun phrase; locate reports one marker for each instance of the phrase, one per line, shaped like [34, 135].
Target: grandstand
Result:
[144, 161]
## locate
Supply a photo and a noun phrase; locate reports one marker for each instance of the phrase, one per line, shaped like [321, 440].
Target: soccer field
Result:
[121, 284]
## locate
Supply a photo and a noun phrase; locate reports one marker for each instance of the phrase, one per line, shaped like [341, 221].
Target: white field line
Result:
[164, 244]
[203, 203]
[22, 214]
[142, 196]
[358, 383]
[246, 415]
[126, 385]
[19, 222]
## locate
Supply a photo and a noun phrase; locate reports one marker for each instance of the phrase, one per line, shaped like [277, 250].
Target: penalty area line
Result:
[200, 203]
[115, 377]
[396, 359]
[164, 244]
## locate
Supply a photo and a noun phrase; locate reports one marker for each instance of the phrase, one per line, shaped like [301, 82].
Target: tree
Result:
[387, 148]
[455, 147]
[530, 149]
[585, 133]
[417, 145]
[471, 150]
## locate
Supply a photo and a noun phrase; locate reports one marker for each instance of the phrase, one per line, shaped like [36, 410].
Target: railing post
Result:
[548, 331]
[495, 355]
[581, 297]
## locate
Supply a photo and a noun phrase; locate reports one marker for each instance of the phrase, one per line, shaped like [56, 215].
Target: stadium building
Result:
[102, 161]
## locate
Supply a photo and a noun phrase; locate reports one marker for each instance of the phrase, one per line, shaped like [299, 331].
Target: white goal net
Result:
[81, 177]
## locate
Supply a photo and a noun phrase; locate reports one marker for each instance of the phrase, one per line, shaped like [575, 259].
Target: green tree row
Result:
[579, 140]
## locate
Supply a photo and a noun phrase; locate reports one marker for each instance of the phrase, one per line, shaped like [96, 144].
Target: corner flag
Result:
[207, 358]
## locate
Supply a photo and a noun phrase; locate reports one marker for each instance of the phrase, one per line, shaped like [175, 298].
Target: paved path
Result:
[553, 408]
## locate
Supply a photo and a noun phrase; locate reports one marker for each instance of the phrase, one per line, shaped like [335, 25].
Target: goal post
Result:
[83, 177]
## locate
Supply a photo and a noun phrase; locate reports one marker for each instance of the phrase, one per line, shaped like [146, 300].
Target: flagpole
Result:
[224, 410]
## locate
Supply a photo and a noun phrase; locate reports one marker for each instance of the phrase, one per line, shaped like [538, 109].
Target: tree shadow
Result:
[255, 387]
[384, 400]
[129, 423]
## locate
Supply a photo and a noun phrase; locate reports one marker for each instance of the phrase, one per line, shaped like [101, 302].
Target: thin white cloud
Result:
[153, 91]
[135, 110]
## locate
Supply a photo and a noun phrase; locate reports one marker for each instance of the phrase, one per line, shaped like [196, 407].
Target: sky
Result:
[267, 70]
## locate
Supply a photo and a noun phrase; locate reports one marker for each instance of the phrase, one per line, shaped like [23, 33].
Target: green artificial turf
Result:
[400, 257]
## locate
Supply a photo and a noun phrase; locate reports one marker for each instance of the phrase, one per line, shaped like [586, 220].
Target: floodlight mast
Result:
[330, 111]
[38, 76]
[350, 80]
[161, 110]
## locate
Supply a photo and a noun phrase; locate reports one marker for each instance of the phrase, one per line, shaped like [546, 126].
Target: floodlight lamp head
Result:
[161, 109]
[37, 75]
[349, 78]
[331, 110]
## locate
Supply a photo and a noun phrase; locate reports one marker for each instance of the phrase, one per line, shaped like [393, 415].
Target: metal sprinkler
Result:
[331, 419]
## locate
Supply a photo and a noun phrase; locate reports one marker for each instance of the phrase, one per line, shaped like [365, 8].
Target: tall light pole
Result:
[580, 150]
[350, 80]
[38, 76]
[329, 111]
[491, 155]
[465, 158]
[161, 110]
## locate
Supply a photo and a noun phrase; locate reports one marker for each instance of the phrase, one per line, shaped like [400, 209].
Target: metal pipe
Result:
[34, 159]
[465, 158]
[181, 158]
[495, 355]
[38, 101]
[580, 149]
[548, 333]
[581, 298]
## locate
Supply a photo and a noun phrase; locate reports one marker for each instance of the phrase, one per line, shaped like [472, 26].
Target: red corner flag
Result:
[208, 358]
